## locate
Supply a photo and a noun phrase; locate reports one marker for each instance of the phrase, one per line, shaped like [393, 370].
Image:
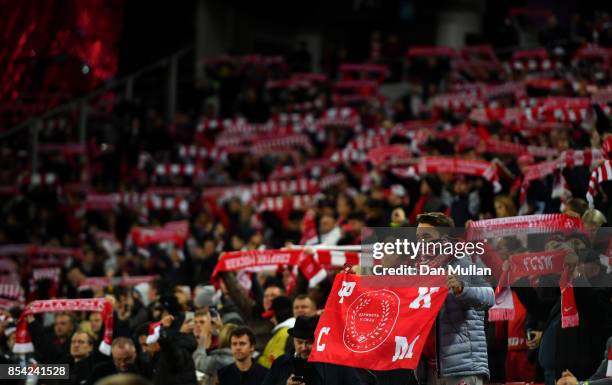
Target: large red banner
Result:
[373, 327]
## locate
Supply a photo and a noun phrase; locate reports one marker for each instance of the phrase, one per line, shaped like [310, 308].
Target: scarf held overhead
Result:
[536, 264]
[23, 341]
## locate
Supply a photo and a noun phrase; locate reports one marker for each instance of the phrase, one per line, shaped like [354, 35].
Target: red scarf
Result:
[534, 264]
[510, 226]
[311, 265]
[99, 282]
[602, 173]
[23, 342]
[609, 367]
[175, 232]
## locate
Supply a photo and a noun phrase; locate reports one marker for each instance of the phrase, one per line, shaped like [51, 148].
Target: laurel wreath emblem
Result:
[389, 310]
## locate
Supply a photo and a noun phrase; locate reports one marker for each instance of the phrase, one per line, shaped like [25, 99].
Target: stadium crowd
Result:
[269, 156]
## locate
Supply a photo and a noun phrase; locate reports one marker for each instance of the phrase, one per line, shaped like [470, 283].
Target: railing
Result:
[80, 109]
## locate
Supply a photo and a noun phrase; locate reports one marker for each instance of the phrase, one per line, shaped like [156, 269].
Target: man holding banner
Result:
[423, 323]
[456, 349]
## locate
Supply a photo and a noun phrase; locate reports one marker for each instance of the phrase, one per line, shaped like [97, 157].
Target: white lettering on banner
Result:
[402, 348]
[424, 296]
[538, 263]
[237, 263]
[273, 259]
[346, 290]
[324, 330]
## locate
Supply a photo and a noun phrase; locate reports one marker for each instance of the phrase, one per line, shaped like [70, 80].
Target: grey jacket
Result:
[461, 343]
[209, 364]
[599, 378]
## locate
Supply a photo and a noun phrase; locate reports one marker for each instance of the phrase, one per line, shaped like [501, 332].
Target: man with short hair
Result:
[81, 344]
[83, 357]
[575, 207]
[243, 371]
[50, 345]
[304, 305]
[202, 328]
[124, 360]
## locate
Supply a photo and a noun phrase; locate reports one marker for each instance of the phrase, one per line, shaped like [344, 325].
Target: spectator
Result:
[83, 357]
[250, 310]
[593, 220]
[504, 207]
[303, 305]
[290, 370]
[281, 315]
[244, 371]
[469, 297]
[172, 361]
[209, 364]
[52, 343]
[125, 360]
[328, 229]
[599, 377]
[575, 207]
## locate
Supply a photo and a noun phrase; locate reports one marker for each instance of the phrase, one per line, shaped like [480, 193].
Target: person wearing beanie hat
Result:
[296, 370]
[281, 314]
[205, 297]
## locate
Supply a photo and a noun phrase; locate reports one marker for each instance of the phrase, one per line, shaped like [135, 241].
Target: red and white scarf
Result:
[154, 331]
[600, 174]
[275, 142]
[394, 152]
[535, 264]
[510, 226]
[23, 342]
[196, 152]
[11, 295]
[37, 179]
[311, 265]
[47, 273]
[174, 232]
[98, 282]
[284, 204]
[176, 169]
[31, 249]
[440, 164]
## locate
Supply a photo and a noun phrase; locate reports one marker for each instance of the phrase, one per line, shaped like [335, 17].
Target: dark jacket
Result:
[173, 364]
[577, 349]
[108, 368]
[323, 374]
[600, 373]
[80, 371]
[231, 375]
[47, 348]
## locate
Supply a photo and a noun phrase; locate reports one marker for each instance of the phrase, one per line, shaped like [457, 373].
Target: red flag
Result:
[376, 326]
